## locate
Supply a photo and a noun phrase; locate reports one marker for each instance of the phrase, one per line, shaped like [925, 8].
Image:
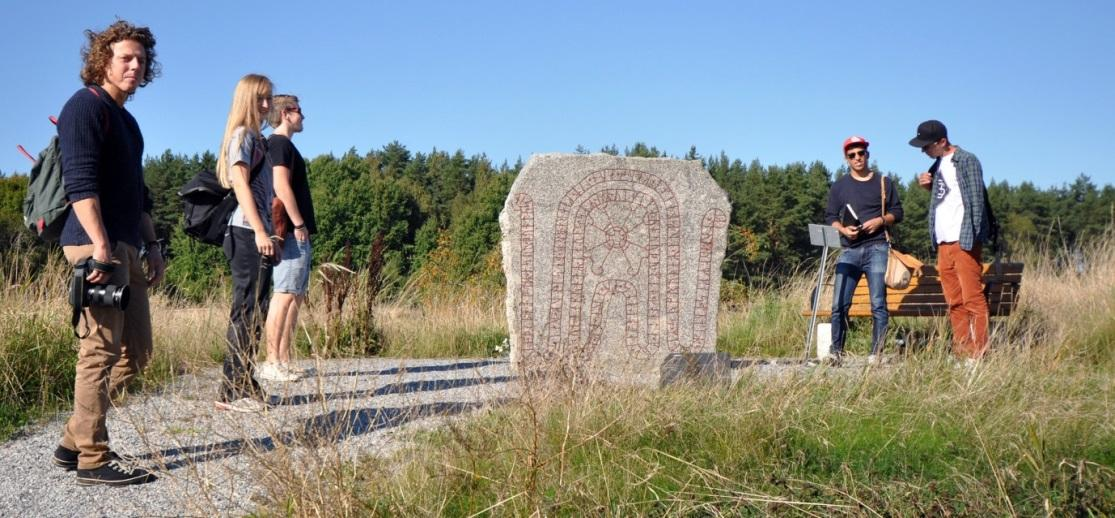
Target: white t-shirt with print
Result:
[950, 206]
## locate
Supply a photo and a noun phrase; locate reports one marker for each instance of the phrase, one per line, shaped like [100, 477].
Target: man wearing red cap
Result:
[959, 222]
[855, 208]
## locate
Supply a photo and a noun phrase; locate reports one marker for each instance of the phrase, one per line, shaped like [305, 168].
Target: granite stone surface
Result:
[612, 264]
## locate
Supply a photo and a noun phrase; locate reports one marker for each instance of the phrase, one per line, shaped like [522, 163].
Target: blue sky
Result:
[1027, 86]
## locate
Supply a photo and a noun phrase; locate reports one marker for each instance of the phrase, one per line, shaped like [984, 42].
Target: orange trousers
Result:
[961, 274]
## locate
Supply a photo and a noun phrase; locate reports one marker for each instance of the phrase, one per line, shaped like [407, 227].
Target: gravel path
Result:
[210, 462]
[216, 463]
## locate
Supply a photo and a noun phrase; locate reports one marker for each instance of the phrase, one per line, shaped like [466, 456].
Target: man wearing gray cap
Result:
[959, 224]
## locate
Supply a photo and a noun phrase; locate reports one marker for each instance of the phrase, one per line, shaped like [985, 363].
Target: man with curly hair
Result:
[110, 221]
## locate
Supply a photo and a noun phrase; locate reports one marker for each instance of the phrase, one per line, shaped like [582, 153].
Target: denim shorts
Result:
[292, 275]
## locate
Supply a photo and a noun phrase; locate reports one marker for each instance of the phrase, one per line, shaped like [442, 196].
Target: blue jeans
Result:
[870, 259]
[292, 274]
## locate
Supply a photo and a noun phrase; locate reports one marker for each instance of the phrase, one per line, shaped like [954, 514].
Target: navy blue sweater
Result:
[866, 201]
[102, 155]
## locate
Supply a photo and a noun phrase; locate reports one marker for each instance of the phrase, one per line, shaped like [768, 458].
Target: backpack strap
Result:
[883, 210]
[104, 113]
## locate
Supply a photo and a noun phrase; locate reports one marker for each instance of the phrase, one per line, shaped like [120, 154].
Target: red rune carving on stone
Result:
[525, 207]
[606, 227]
[605, 292]
[597, 220]
[712, 225]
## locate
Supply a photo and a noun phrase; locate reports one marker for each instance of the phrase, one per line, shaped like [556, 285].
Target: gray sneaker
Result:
[297, 371]
[243, 405]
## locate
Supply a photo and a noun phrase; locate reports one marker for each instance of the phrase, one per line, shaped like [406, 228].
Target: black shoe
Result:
[66, 458]
[115, 473]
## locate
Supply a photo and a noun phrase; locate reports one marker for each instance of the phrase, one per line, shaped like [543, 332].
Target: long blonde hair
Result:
[244, 112]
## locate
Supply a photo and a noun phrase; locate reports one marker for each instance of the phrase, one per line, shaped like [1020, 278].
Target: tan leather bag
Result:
[901, 269]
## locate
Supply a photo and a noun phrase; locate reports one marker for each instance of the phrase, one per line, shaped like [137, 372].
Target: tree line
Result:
[438, 214]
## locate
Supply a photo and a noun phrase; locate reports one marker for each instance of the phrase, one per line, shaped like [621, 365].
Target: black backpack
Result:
[208, 206]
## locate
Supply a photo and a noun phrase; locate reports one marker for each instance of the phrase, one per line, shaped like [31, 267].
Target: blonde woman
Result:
[244, 167]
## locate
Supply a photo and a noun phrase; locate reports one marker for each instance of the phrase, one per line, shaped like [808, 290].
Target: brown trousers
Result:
[117, 348]
[961, 274]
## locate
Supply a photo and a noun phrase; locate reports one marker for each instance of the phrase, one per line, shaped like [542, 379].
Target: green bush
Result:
[194, 270]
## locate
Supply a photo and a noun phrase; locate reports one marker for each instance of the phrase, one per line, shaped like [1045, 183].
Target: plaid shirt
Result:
[969, 174]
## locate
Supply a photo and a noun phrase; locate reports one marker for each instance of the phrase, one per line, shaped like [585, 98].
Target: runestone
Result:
[612, 263]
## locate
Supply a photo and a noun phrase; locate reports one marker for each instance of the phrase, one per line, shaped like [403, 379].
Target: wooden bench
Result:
[923, 297]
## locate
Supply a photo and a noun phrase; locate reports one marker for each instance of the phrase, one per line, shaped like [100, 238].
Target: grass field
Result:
[1032, 431]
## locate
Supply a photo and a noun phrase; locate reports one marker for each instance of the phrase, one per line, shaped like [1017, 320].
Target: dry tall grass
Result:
[1031, 431]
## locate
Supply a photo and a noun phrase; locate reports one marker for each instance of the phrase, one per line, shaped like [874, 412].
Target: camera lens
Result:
[108, 295]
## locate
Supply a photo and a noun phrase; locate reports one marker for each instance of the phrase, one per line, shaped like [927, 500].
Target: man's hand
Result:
[101, 253]
[925, 180]
[850, 232]
[873, 225]
[156, 267]
[301, 234]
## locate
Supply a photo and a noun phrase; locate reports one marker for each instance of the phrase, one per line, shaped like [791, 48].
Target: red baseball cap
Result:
[855, 140]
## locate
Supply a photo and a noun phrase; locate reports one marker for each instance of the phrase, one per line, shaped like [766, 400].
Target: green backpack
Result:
[45, 207]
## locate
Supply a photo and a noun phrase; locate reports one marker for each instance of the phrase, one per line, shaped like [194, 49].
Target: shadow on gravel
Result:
[417, 368]
[316, 431]
[333, 426]
[391, 388]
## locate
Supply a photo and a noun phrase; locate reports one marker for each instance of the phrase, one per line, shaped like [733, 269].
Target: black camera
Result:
[84, 294]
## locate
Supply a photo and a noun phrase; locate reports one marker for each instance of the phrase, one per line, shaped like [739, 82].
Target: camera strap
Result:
[104, 267]
[75, 319]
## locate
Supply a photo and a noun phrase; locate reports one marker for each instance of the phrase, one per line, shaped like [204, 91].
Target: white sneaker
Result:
[292, 371]
[874, 359]
[272, 371]
[966, 364]
[242, 405]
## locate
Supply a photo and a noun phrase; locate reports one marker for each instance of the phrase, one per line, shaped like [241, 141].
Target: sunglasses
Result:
[295, 109]
[856, 154]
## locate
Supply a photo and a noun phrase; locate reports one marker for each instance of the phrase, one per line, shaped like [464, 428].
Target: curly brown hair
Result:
[97, 54]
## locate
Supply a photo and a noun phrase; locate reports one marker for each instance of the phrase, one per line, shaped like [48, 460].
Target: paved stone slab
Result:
[612, 263]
